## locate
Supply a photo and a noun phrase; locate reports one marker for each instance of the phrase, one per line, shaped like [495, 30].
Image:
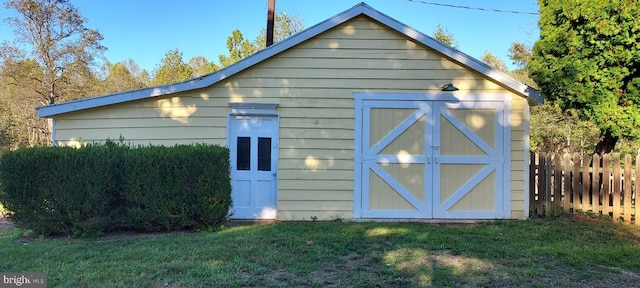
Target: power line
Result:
[474, 8]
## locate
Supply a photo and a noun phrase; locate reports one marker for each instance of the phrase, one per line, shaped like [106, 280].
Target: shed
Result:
[344, 120]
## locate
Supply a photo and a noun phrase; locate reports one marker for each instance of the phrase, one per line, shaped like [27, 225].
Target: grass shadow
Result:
[567, 252]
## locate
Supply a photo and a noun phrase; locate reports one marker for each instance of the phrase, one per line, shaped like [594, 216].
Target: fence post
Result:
[576, 182]
[566, 199]
[586, 183]
[616, 186]
[542, 181]
[548, 206]
[627, 189]
[557, 184]
[532, 183]
[606, 184]
[595, 187]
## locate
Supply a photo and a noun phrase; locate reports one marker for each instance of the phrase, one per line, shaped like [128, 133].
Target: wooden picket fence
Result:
[591, 184]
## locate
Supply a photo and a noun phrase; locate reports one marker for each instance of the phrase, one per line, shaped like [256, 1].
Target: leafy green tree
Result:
[201, 66]
[140, 75]
[588, 59]
[239, 47]
[60, 43]
[553, 130]
[284, 26]
[520, 55]
[445, 36]
[5, 127]
[19, 124]
[494, 61]
[123, 76]
[48, 61]
[172, 69]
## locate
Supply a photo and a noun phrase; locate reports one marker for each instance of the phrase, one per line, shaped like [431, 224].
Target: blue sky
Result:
[145, 30]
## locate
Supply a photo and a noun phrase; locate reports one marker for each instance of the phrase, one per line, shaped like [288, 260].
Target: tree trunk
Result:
[606, 143]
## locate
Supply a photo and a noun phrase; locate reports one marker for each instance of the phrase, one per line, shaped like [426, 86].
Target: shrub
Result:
[61, 190]
[178, 187]
[99, 188]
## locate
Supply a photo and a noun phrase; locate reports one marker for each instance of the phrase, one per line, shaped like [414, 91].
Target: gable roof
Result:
[264, 54]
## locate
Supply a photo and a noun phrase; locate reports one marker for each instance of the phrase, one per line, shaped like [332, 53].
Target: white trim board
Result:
[251, 108]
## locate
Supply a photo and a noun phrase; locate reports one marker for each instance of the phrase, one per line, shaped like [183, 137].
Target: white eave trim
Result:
[208, 80]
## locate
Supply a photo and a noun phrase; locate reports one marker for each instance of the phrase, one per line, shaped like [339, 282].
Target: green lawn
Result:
[571, 251]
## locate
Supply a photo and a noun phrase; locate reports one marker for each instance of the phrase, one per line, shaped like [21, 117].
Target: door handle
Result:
[428, 159]
[435, 159]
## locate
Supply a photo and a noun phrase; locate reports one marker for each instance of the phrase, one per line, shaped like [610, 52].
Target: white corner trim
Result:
[252, 108]
[508, 147]
[527, 158]
[53, 132]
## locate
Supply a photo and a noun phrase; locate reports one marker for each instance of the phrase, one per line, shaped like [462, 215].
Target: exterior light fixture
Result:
[449, 87]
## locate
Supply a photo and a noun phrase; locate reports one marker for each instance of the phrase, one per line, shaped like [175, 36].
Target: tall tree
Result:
[19, 124]
[285, 26]
[172, 69]
[240, 47]
[588, 59]
[494, 61]
[59, 41]
[445, 36]
[553, 130]
[123, 76]
[201, 66]
[520, 55]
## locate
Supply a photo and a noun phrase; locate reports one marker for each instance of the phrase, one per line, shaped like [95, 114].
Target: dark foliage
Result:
[100, 188]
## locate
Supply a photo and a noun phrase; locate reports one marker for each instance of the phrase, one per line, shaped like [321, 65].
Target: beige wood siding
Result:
[518, 156]
[314, 84]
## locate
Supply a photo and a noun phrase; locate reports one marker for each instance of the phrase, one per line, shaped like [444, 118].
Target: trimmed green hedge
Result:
[100, 188]
[176, 187]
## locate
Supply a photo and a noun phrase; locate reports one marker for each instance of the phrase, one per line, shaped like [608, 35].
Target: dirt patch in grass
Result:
[341, 272]
[615, 277]
[5, 223]
[280, 277]
[596, 277]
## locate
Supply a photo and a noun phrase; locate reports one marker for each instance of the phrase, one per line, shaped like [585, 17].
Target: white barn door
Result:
[430, 158]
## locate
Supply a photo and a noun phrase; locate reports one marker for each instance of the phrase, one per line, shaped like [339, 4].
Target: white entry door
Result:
[253, 145]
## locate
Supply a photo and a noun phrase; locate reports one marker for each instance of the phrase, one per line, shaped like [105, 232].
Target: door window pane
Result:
[243, 157]
[264, 154]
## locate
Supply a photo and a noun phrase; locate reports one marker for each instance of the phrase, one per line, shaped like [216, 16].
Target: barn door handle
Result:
[435, 159]
[428, 159]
